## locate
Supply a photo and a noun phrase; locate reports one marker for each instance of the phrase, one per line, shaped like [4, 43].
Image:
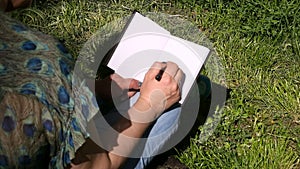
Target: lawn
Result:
[258, 43]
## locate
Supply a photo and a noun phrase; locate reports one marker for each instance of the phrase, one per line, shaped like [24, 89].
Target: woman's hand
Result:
[123, 85]
[157, 96]
[116, 88]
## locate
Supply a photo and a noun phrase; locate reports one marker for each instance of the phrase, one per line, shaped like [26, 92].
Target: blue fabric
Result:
[42, 102]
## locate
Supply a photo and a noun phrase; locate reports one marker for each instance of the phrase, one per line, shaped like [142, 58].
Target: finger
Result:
[134, 84]
[155, 68]
[171, 69]
[179, 78]
[156, 65]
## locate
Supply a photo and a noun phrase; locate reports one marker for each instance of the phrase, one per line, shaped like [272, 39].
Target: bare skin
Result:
[155, 97]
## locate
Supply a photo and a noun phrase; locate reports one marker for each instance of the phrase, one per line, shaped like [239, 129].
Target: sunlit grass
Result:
[257, 41]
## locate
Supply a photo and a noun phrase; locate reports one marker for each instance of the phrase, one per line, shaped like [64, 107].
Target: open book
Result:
[143, 42]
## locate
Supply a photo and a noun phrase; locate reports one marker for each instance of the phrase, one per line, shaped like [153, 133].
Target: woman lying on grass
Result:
[44, 107]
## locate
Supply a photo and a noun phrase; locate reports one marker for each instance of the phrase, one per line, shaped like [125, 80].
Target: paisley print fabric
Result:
[43, 105]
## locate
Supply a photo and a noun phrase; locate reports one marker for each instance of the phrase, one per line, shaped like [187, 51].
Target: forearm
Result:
[130, 129]
[116, 148]
[129, 134]
[155, 97]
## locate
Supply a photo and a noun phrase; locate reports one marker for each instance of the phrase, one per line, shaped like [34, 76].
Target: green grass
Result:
[258, 44]
[256, 153]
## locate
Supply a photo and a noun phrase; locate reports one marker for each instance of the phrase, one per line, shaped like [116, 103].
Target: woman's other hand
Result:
[116, 88]
[125, 85]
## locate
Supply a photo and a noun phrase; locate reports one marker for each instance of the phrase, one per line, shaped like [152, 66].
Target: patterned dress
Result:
[43, 106]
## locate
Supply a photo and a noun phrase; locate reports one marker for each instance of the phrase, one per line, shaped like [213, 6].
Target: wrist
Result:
[143, 112]
[142, 105]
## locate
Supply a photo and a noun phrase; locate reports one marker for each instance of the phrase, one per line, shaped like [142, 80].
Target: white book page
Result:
[133, 42]
[141, 24]
[145, 42]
